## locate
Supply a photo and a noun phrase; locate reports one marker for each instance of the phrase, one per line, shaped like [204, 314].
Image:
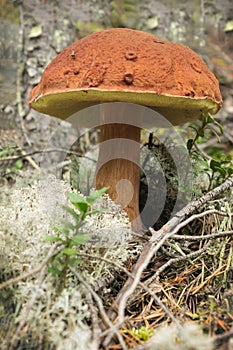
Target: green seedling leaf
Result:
[80, 238]
[94, 212]
[221, 171]
[210, 119]
[194, 128]
[4, 153]
[79, 202]
[52, 239]
[62, 229]
[76, 198]
[197, 192]
[72, 212]
[214, 163]
[73, 261]
[217, 135]
[219, 126]
[82, 207]
[94, 195]
[18, 165]
[69, 251]
[54, 271]
[204, 163]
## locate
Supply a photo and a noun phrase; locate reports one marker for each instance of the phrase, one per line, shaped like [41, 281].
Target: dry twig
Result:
[157, 240]
[37, 269]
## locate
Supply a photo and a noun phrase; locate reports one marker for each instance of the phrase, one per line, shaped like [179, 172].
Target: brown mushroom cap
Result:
[128, 66]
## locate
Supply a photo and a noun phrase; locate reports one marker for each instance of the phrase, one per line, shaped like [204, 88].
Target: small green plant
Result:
[143, 333]
[70, 235]
[217, 166]
[207, 123]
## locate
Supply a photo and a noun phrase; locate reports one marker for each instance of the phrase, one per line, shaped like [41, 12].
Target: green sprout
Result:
[143, 333]
[69, 233]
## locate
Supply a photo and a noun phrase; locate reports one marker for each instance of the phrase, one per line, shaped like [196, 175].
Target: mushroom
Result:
[124, 65]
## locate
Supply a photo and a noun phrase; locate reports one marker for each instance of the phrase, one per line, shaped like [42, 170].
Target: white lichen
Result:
[187, 337]
[29, 215]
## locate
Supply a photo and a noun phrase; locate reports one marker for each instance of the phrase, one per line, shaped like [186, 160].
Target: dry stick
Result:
[50, 150]
[29, 306]
[160, 236]
[130, 275]
[95, 324]
[190, 219]
[103, 314]
[40, 268]
[175, 260]
[112, 330]
[34, 271]
[191, 255]
[200, 238]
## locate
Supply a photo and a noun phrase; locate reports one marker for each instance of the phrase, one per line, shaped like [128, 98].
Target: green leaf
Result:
[54, 271]
[69, 251]
[82, 207]
[197, 192]
[79, 202]
[219, 126]
[76, 198]
[80, 238]
[222, 171]
[210, 119]
[62, 229]
[194, 128]
[4, 153]
[94, 195]
[214, 164]
[52, 239]
[73, 261]
[94, 212]
[18, 165]
[217, 135]
[72, 212]
[204, 163]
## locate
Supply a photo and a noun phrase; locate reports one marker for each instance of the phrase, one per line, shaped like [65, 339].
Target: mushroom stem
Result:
[118, 167]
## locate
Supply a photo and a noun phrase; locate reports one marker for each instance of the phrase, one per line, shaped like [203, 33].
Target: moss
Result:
[124, 13]
[9, 11]
[85, 28]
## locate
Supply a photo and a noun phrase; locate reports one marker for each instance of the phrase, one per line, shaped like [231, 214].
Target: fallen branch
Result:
[24, 154]
[156, 241]
[34, 271]
[9, 344]
[98, 300]
[201, 238]
[111, 330]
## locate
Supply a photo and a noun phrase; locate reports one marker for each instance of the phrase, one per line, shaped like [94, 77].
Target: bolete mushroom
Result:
[124, 65]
